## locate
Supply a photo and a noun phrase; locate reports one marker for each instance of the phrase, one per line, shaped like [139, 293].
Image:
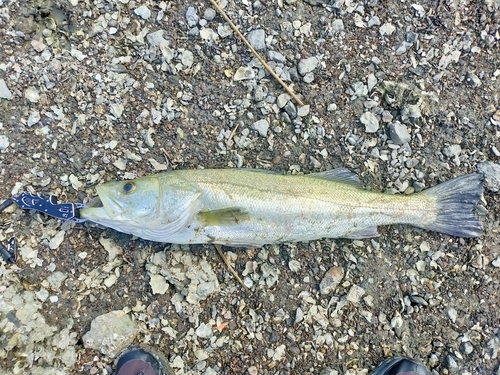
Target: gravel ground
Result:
[405, 94]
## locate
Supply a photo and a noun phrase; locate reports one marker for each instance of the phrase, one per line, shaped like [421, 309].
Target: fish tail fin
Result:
[456, 200]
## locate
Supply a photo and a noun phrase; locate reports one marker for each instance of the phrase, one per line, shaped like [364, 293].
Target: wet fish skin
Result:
[241, 207]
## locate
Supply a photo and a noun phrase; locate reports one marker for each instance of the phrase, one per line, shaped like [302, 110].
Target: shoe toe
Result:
[401, 366]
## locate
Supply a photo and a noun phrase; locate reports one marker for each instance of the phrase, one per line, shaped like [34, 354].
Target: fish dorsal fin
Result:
[224, 216]
[341, 175]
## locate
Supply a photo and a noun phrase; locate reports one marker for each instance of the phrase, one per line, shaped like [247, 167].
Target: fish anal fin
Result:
[224, 216]
[341, 175]
[367, 232]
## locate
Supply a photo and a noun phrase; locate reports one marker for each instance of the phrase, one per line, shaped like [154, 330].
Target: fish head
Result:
[128, 203]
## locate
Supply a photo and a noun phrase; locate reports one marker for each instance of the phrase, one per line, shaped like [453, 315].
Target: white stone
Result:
[387, 29]
[355, 294]
[56, 240]
[204, 330]
[307, 65]
[32, 94]
[303, 110]
[4, 91]
[111, 333]
[244, 73]
[4, 142]
[116, 109]
[158, 284]
[111, 247]
[370, 121]
[143, 12]
[261, 126]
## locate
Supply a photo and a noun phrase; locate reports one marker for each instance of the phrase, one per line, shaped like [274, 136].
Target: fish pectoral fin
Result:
[340, 175]
[367, 232]
[224, 216]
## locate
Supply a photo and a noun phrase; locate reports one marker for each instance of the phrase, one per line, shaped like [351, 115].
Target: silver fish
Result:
[244, 207]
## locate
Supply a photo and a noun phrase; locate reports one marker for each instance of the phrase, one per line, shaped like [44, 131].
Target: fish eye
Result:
[128, 187]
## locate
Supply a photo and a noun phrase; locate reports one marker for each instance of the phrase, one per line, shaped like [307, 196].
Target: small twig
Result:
[262, 61]
[226, 261]
[231, 135]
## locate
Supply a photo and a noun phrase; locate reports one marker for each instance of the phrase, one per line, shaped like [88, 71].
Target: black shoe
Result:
[401, 366]
[142, 360]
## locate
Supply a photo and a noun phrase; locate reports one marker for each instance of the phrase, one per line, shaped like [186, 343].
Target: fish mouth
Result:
[112, 207]
[102, 207]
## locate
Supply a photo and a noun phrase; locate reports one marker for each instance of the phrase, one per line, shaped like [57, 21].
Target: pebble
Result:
[276, 56]
[111, 247]
[399, 133]
[257, 38]
[261, 126]
[309, 77]
[355, 293]
[260, 93]
[331, 280]
[299, 315]
[57, 240]
[452, 314]
[32, 94]
[156, 38]
[491, 172]
[403, 47]
[224, 31]
[38, 45]
[291, 109]
[192, 17]
[244, 73]
[208, 34]
[419, 10]
[494, 345]
[187, 58]
[204, 331]
[4, 142]
[371, 81]
[452, 150]
[4, 91]
[374, 21]
[472, 79]
[209, 14]
[111, 333]
[370, 121]
[338, 25]
[282, 100]
[307, 65]
[466, 347]
[495, 118]
[55, 279]
[360, 89]
[143, 12]
[387, 29]
[116, 109]
[451, 364]
[303, 110]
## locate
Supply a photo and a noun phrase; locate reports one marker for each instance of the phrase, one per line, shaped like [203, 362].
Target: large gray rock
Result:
[111, 333]
[491, 172]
